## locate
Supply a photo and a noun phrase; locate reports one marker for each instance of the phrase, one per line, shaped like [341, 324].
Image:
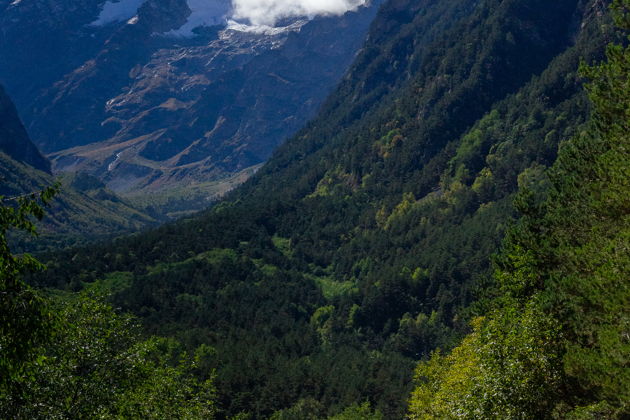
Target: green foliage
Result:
[446, 379]
[505, 369]
[113, 283]
[73, 357]
[358, 412]
[332, 289]
[97, 367]
[555, 343]
[307, 409]
[25, 320]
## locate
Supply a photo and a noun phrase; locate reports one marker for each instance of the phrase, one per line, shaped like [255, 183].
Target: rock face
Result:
[138, 94]
[14, 140]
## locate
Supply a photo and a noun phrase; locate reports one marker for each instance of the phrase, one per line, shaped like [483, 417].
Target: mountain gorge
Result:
[365, 242]
[153, 102]
[356, 274]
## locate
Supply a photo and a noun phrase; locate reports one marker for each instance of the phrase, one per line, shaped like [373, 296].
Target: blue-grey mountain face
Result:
[83, 210]
[148, 94]
[14, 141]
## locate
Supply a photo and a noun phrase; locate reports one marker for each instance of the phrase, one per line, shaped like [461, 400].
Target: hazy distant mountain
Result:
[83, 210]
[152, 94]
[14, 140]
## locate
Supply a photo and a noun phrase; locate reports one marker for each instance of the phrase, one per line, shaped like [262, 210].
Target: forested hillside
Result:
[365, 242]
[554, 343]
[68, 356]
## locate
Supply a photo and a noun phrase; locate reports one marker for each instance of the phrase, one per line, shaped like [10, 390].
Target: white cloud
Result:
[268, 12]
[250, 14]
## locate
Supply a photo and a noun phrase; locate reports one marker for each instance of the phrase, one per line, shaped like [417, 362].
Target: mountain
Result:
[365, 242]
[84, 209]
[147, 101]
[14, 140]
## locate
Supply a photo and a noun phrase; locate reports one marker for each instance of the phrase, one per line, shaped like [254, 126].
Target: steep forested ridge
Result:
[554, 343]
[361, 245]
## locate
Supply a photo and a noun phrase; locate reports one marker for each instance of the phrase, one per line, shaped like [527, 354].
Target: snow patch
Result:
[117, 11]
[203, 13]
[264, 29]
[112, 165]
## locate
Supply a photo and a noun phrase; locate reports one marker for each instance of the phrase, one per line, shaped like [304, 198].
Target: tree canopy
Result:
[72, 356]
[555, 342]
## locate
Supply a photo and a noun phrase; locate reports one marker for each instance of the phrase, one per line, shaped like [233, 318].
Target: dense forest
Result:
[366, 244]
[554, 343]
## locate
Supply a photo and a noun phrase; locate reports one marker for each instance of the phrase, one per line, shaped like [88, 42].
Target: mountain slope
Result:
[149, 104]
[553, 344]
[360, 245]
[84, 209]
[14, 140]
